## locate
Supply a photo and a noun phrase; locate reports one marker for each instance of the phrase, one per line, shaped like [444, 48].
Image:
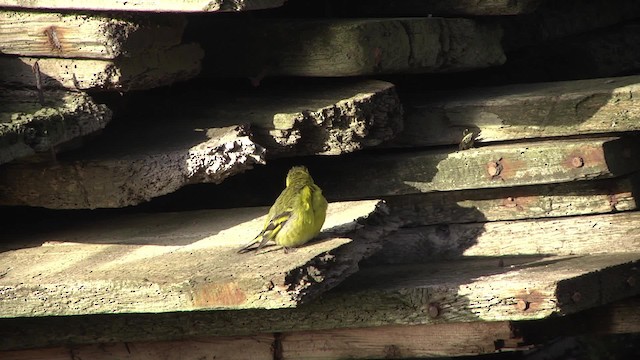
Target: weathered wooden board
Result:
[93, 36]
[341, 47]
[145, 70]
[315, 117]
[437, 7]
[589, 234]
[464, 290]
[517, 203]
[619, 317]
[156, 155]
[181, 262]
[522, 111]
[497, 166]
[151, 164]
[27, 127]
[397, 342]
[246, 348]
[146, 5]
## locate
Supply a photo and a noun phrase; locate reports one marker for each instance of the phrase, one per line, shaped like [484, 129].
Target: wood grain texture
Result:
[153, 164]
[517, 203]
[147, 5]
[145, 70]
[581, 235]
[470, 290]
[496, 166]
[397, 342]
[166, 146]
[27, 127]
[180, 262]
[248, 348]
[331, 48]
[523, 111]
[93, 36]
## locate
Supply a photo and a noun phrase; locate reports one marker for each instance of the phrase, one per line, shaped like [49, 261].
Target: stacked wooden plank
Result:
[463, 219]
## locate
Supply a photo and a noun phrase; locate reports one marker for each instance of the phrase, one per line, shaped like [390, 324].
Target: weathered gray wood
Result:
[255, 347]
[27, 127]
[183, 144]
[146, 5]
[145, 70]
[438, 7]
[581, 235]
[94, 36]
[181, 262]
[517, 203]
[464, 290]
[132, 174]
[397, 342]
[327, 118]
[341, 47]
[620, 317]
[497, 166]
[523, 111]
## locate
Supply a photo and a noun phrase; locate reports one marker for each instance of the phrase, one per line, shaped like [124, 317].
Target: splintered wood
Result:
[180, 262]
[156, 155]
[152, 164]
[28, 126]
[143, 71]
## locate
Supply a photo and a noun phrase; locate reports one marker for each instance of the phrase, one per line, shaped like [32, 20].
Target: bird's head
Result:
[298, 174]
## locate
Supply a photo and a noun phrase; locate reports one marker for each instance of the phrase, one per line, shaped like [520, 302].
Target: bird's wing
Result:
[273, 227]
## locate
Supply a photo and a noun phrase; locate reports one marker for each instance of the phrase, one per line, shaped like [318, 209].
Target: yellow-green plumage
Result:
[297, 214]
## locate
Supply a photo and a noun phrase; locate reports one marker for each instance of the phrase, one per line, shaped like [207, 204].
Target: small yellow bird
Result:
[297, 215]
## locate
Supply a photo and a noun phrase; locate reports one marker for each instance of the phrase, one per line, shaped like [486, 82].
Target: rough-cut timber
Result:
[315, 118]
[398, 342]
[149, 165]
[465, 290]
[438, 7]
[27, 127]
[93, 36]
[523, 111]
[147, 5]
[143, 71]
[581, 235]
[232, 348]
[498, 166]
[351, 47]
[181, 262]
[517, 203]
[183, 144]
